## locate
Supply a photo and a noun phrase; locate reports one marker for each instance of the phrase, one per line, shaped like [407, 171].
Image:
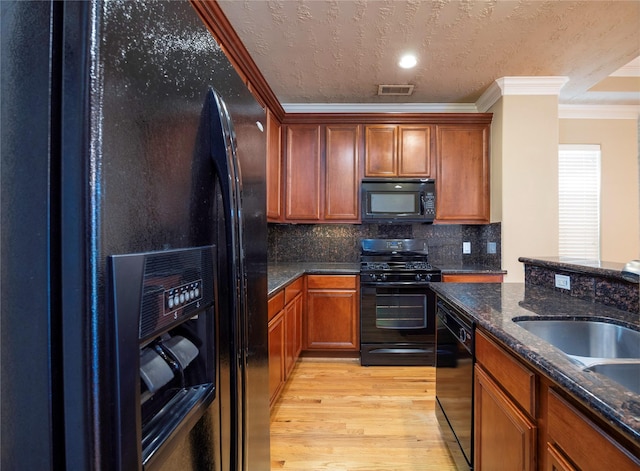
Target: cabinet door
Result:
[504, 437]
[414, 157]
[274, 168]
[276, 356]
[462, 186]
[342, 164]
[381, 151]
[332, 313]
[293, 335]
[302, 192]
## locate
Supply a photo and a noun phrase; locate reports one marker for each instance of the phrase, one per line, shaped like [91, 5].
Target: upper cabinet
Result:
[398, 151]
[303, 172]
[462, 167]
[274, 168]
[323, 164]
[322, 173]
[342, 170]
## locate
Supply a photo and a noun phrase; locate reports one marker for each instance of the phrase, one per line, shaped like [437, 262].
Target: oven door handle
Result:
[396, 284]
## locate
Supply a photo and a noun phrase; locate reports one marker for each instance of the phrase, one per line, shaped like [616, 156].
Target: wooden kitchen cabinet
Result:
[521, 418]
[293, 324]
[276, 355]
[575, 442]
[505, 433]
[505, 438]
[332, 315]
[322, 173]
[472, 278]
[274, 168]
[398, 151]
[303, 173]
[285, 334]
[462, 167]
[342, 172]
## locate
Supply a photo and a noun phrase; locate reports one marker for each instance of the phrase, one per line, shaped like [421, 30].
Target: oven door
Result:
[397, 324]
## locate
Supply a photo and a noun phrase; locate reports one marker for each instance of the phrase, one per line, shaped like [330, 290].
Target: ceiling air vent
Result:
[387, 90]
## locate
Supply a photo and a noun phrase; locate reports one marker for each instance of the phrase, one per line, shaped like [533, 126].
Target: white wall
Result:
[620, 207]
[525, 179]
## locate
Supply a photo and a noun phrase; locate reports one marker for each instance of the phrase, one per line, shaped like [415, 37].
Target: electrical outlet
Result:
[563, 281]
[491, 247]
[466, 247]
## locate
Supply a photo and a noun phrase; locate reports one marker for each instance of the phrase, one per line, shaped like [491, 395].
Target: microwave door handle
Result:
[423, 204]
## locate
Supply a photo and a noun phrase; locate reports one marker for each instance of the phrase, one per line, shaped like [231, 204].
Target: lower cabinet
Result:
[293, 334]
[285, 335]
[574, 442]
[505, 437]
[276, 356]
[332, 317]
[504, 434]
[322, 317]
[523, 422]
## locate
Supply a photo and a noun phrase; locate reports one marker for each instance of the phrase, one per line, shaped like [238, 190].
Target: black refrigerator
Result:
[133, 243]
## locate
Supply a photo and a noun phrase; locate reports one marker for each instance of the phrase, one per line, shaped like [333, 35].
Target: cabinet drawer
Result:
[514, 377]
[275, 304]
[331, 281]
[472, 278]
[292, 290]
[594, 449]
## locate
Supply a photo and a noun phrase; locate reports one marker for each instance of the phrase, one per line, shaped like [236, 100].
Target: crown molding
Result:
[489, 98]
[531, 86]
[379, 107]
[632, 69]
[598, 111]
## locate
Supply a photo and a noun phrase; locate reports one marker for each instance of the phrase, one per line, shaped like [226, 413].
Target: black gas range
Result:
[397, 308]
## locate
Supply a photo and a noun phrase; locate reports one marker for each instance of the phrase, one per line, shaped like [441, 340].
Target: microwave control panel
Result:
[429, 202]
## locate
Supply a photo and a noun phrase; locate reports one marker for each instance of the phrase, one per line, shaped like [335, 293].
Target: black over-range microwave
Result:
[398, 201]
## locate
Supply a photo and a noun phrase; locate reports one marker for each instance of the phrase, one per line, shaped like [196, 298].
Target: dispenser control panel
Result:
[182, 296]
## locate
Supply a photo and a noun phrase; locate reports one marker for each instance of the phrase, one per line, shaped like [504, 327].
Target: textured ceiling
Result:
[340, 51]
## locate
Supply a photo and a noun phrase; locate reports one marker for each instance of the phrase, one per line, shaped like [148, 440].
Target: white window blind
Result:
[579, 201]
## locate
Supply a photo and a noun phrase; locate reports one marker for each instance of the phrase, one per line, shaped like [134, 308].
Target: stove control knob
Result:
[427, 277]
[418, 277]
[383, 277]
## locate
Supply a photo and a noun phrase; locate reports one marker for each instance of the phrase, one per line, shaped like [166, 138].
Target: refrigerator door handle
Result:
[227, 168]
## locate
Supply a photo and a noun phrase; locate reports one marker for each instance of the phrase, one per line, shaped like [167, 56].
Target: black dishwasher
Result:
[454, 382]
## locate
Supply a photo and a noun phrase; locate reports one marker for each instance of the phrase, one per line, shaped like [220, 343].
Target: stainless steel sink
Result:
[607, 349]
[625, 374]
[586, 340]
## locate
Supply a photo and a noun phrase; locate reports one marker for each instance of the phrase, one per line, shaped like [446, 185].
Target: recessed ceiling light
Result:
[408, 61]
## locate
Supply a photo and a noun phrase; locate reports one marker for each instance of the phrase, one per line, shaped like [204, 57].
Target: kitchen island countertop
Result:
[493, 306]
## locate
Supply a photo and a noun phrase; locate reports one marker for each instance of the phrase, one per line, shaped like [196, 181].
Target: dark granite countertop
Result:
[583, 266]
[280, 275]
[494, 305]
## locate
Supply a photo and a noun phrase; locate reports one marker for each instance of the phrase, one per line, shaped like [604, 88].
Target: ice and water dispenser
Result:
[163, 342]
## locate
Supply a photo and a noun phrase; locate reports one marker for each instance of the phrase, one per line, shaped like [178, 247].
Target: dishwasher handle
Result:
[455, 323]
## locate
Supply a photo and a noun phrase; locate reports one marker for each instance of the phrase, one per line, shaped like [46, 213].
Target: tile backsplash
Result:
[341, 242]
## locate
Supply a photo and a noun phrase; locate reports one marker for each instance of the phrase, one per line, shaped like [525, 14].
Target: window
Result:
[579, 201]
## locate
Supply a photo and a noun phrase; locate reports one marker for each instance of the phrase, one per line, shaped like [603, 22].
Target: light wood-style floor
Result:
[337, 415]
